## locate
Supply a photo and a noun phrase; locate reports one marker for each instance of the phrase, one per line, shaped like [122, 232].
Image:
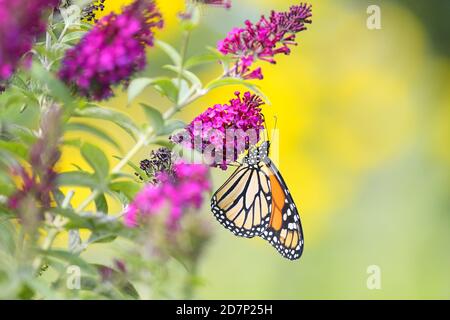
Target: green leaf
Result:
[163, 142]
[56, 87]
[101, 204]
[172, 125]
[7, 237]
[97, 159]
[76, 221]
[137, 86]
[154, 117]
[138, 170]
[23, 133]
[236, 81]
[15, 148]
[118, 118]
[162, 85]
[167, 88]
[201, 59]
[102, 237]
[170, 51]
[99, 133]
[188, 75]
[73, 36]
[77, 178]
[128, 188]
[119, 281]
[71, 258]
[8, 159]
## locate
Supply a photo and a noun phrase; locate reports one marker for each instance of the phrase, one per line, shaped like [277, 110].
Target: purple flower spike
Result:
[223, 132]
[112, 51]
[178, 191]
[263, 40]
[21, 21]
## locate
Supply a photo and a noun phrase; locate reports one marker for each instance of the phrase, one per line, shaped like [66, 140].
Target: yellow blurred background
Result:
[364, 148]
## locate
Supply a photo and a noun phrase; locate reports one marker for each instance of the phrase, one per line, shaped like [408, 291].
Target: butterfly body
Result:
[255, 201]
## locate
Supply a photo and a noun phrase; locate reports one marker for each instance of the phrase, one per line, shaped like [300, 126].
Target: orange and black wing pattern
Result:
[284, 231]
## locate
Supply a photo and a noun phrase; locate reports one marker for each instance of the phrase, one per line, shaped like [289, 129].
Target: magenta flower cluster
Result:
[21, 21]
[176, 191]
[38, 182]
[112, 51]
[263, 40]
[224, 131]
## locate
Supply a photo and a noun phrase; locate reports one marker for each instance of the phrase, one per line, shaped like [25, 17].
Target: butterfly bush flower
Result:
[264, 40]
[223, 132]
[34, 195]
[21, 21]
[178, 189]
[112, 51]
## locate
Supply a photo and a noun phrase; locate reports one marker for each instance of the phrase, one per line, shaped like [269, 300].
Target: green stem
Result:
[53, 233]
[141, 142]
[184, 48]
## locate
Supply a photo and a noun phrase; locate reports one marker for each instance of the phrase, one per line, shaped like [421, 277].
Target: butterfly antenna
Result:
[266, 135]
[274, 127]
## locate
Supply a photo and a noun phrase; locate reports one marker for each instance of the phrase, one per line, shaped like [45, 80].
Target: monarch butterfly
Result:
[255, 201]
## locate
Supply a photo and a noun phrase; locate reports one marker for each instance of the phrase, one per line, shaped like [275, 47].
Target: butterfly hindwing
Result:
[284, 231]
[243, 204]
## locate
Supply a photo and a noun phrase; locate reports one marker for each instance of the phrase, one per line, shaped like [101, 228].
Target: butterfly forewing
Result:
[243, 204]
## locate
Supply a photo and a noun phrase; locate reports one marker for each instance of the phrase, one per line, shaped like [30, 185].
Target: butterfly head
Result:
[257, 154]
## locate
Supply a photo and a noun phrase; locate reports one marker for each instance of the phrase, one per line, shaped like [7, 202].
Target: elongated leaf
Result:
[77, 178]
[137, 86]
[102, 237]
[71, 258]
[23, 133]
[235, 81]
[8, 158]
[113, 116]
[167, 88]
[118, 278]
[7, 237]
[97, 159]
[201, 59]
[101, 204]
[71, 215]
[162, 85]
[188, 75]
[73, 36]
[163, 142]
[138, 170]
[170, 51]
[15, 148]
[172, 125]
[128, 188]
[154, 117]
[84, 127]
[56, 87]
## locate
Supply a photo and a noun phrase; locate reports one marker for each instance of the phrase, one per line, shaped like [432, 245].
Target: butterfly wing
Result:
[284, 231]
[243, 203]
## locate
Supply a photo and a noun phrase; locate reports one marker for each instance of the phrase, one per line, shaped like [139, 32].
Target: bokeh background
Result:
[364, 147]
